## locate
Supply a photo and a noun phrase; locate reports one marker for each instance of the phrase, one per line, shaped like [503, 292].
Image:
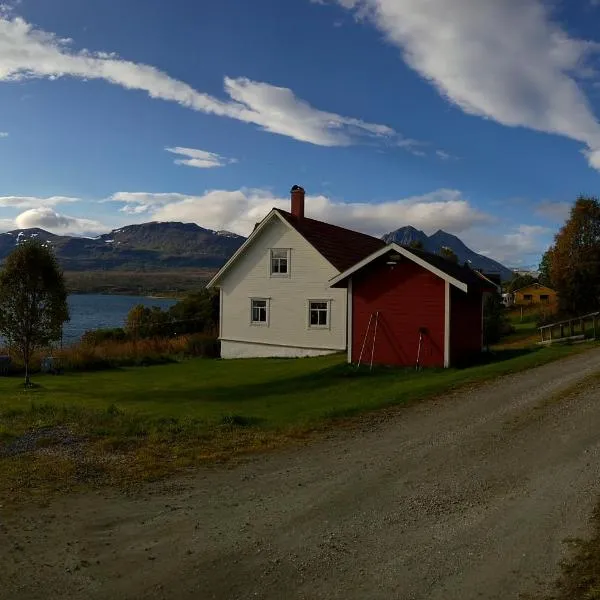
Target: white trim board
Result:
[447, 313]
[279, 345]
[407, 254]
[349, 307]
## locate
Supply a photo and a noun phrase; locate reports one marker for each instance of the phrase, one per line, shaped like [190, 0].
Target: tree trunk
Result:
[26, 361]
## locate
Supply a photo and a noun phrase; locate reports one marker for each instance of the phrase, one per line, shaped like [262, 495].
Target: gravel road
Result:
[466, 496]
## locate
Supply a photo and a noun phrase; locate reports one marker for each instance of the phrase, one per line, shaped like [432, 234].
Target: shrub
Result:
[114, 353]
[100, 336]
[203, 346]
[495, 320]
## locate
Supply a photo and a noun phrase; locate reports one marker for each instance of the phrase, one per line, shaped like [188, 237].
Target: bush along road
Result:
[468, 495]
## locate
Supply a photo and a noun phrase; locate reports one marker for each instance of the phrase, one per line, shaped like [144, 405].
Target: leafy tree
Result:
[520, 281]
[495, 320]
[197, 312]
[574, 259]
[33, 300]
[449, 254]
[147, 321]
[416, 244]
[544, 269]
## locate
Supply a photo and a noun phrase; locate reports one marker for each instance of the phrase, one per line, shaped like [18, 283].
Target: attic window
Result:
[280, 262]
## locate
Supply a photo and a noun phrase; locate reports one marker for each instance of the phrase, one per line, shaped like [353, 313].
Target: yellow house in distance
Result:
[535, 293]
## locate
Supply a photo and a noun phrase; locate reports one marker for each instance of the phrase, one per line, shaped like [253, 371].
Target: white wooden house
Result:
[275, 292]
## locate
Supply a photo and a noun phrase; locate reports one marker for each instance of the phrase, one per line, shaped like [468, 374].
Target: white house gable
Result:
[266, 297]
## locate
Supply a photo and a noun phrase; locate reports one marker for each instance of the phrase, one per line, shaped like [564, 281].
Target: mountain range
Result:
[172, 245]
[406, 236]
[135, 247]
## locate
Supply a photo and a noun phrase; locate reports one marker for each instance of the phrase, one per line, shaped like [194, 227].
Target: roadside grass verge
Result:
[525, 334]
[131, 425]
[580, 578]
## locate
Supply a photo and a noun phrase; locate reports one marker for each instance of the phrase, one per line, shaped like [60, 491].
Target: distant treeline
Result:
[173, 283]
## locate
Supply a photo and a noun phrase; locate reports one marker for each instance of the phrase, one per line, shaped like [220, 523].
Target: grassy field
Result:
[137, 424]
[525, 334]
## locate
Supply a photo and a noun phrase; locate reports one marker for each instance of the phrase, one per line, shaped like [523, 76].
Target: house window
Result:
[259, 311]
[528, 298]
[318, 314]
[280, 262]
[544, 298]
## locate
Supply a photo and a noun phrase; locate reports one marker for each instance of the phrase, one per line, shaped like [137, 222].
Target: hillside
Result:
[149, 246]
[434, 243]
[183, 252]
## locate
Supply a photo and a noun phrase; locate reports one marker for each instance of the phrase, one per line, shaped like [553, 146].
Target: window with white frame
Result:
[318, 314]
[259, 311]
[280, 262]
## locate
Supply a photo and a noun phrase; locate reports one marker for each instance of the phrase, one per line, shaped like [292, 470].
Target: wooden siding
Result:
[408, 298]
[466, 325]
[249, 277]
[536, 292]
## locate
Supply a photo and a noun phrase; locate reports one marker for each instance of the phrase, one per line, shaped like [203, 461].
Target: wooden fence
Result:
[579, 328]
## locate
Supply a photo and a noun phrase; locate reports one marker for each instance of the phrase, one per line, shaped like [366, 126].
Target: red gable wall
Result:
[407, 297]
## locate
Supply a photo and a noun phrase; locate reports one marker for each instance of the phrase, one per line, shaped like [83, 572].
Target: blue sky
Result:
[474, 116]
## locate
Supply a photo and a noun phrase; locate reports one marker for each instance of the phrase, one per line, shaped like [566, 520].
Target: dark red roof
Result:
[343, 248]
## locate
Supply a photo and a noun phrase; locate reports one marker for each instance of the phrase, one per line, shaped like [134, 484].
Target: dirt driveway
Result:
[466, 496]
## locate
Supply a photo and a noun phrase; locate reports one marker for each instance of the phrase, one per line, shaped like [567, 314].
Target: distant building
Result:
[536, 293]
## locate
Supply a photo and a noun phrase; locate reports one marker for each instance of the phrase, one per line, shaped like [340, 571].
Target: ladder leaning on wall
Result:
[373, 320]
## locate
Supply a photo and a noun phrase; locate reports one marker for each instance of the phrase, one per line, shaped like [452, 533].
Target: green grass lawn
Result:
[270, 392]
[161, 418]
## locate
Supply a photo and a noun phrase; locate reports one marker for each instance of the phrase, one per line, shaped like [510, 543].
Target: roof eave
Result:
[407, 254]
[214, 282]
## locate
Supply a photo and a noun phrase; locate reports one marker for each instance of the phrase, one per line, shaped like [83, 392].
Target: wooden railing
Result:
[575, 328]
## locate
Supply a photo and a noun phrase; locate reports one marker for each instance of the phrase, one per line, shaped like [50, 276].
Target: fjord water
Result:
[95, 311]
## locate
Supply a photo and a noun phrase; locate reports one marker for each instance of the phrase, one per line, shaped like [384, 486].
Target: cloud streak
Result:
[26, 52]
[200, 159]
[26, 202]
[502, 60]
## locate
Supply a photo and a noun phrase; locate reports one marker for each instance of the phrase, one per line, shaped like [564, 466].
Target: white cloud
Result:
[444, 155]
[26, 52]
[201, 159]
[46, 218]
[6, 225]
[522, 245]
[502, 60]
[25, 202]
[3, 134]
[554, 211]
[239, 210]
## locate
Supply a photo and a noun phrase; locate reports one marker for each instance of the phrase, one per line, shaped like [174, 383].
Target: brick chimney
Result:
[298, 201]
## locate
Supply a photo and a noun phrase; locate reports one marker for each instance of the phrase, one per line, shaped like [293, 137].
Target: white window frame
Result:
[308, 311]
[265, 323]
[288, 257]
